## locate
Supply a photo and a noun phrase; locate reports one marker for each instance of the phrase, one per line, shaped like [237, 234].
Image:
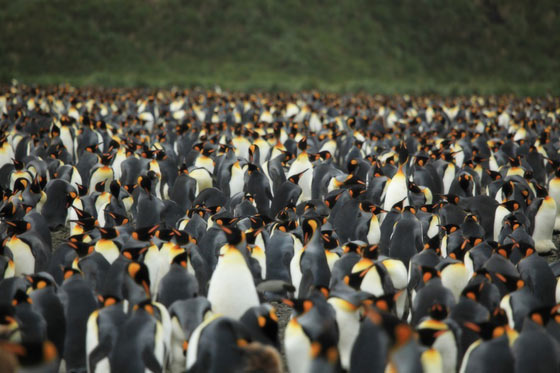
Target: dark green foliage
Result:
[387, 46]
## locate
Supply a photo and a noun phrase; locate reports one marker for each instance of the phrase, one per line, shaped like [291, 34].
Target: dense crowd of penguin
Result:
[406, 234]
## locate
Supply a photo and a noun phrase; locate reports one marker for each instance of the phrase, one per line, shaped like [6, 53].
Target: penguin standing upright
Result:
[397, 189]
[310, 261]
[554, 191]
[232, 288]
[302, 164]
[78, 302]
[102, 330]
[542, 214]
[140, 342]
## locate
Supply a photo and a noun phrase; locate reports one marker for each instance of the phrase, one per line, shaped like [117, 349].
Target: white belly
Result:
[23, 257]
[297, 348]
[232, 289]
[544, 226]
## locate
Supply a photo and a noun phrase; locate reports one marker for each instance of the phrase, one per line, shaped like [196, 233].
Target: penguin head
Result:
[17, 227]
[20, 184]
[234, 236]
[294, 179]
[21, 297]
[434, 244]
[353, 247]
[118, 219]
[115, 188]
[108, 233]
[18, 165]
[106, 159]
[139, 273]
[370, 252]
[542, 315]
[309, 227]
[82, 190]
[429, 273]
[262, 318]
[108, 300]
[81, 248]
[165, 234]
[7, 316]
[474, 291]
[32, 353]
[302, 144]
[38, 281]
[134, 253]
[299, 306]
[438, 311]
[69, 273]
[430, 330]
[402, 151]
[511, 205]
[181, 259]
[145, 234]
[383, 303]
[259, 221]
[526, 249]
[147, 306]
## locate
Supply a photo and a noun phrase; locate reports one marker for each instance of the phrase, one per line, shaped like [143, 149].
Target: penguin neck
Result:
[314, 243]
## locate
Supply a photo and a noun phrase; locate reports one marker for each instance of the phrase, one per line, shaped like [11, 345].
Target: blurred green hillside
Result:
[446, 46]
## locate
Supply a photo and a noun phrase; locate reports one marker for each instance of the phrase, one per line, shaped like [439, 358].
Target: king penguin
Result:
[232, 288]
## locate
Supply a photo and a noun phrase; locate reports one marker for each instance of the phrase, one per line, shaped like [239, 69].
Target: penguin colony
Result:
[407, 234]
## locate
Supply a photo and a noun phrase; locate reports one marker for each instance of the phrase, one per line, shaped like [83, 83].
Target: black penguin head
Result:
[309, 227]
[430, 330]
[295, 178]
[82, 190]
[88, 223]
[299, 306]
[541, 191]
[262, 318]
[165, 234]
[402, 151]
[542, 315]
[465, 181]
[429, 273]
[146, 306]
[145, 234]
[181, 259]
[302, 144]
[511, 205]
[370, 252]
[383, 303]
[108, 233]
[234, 236]
[438, 311]
[352, 166]
[7, 314]
[69, 273]
[259, 221]
[525, 248]
[82, 249]
[18, 165]
[352, 247]
[108, 300]
[115, 188]
[106, 159]
[329, 240]
[139, 273]
[434, 243]
[37, 281]
[20, 297]
[134, 253]
[20, 184]
[16, 227]
[117, 218]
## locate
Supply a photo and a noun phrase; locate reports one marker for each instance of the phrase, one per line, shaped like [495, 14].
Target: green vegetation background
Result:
[443, 46]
